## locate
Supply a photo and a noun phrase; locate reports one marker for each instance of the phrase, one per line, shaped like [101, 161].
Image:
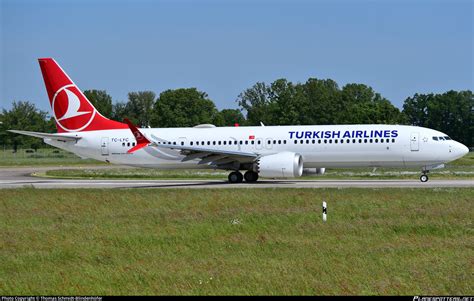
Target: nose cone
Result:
[464, 150]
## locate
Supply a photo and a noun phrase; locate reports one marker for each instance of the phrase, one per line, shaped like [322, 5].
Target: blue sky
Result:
[223, 47]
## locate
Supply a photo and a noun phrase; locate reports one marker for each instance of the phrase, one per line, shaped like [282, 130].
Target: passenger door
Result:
[104, 146]
[415, 141]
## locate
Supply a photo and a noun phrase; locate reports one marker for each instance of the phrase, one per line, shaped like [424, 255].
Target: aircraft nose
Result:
[464, 149]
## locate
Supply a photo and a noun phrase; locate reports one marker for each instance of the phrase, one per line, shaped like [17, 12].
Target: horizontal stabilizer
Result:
[58, 137]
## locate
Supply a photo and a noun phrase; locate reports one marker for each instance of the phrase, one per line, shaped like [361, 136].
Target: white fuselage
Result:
[344, 146]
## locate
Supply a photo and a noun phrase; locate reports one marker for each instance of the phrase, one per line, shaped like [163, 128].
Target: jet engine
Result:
[281, 165]
[314, 171]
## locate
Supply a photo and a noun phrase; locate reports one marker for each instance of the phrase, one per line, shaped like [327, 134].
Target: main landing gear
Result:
[237, 177]
[251, 176]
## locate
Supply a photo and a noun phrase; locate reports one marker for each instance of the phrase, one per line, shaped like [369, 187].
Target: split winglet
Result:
[142, 141]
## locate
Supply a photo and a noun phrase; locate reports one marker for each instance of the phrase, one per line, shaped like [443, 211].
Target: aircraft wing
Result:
[209, 156]
[212, 156]
[58, 137]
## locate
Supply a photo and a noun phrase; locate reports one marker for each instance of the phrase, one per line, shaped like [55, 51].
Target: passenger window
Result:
[174, 142]
[330, 140]
[259, 142]
[219, 142]
[252, 142]
[296, 141]
[235, 142]
[365, 140]
[246, 142]
[335, 141]
[393, 140]
[376, 140]
[348, 141]
[208, 142]
[319, 141]
[225, 142]
[128, 143]
[342, 141]
[370, 140]
[240, 142]
[325, 141]
[360, 140]
[123, 144]
[307, 141]
[301, 141]
[274, 142]
[182, 143]
[279, 141]
[381, 140]
[191, 143]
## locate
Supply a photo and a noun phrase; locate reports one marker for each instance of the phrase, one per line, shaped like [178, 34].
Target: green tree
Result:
[140, 107]
[451, 112]
[25, 116]
[101, 101]
[256, 102]
[361, 104]
[184, 108]
[119, 111]
[322, 103]
[232, 116]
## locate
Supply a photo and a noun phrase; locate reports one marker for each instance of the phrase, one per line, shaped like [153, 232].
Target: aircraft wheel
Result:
[235, 177]
[424, 178]
[251, 176]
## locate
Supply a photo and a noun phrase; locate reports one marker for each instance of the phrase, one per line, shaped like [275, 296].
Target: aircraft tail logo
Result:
[72, 111]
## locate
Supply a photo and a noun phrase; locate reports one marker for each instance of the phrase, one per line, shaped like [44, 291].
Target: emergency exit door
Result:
[415, 141]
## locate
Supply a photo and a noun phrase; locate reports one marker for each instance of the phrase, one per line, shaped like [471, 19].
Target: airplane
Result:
[258, 151]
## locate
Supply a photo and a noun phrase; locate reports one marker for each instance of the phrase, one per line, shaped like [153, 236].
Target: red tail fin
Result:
[72, 111]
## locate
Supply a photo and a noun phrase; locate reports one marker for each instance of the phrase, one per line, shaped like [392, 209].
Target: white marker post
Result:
[325, 211]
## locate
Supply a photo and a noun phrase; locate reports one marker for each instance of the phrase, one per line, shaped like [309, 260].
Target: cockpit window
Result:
[447, 138]
[435, 138]
[441, 138]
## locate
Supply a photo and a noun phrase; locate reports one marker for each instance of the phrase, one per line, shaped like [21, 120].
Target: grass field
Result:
[42, 157]
[237, 241]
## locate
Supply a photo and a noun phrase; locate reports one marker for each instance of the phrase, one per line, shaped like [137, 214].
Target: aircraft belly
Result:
[352, 159]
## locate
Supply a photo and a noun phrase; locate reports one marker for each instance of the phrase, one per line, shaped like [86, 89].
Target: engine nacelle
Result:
[314, 171]
[281, 165]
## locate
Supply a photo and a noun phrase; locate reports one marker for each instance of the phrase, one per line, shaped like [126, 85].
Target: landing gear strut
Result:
[235, 177]
[251, 176]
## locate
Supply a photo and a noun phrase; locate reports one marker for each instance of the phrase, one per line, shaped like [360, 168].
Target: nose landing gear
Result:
[424, 177]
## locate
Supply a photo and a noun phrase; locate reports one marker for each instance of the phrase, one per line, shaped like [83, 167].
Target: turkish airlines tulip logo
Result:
[71, 109]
